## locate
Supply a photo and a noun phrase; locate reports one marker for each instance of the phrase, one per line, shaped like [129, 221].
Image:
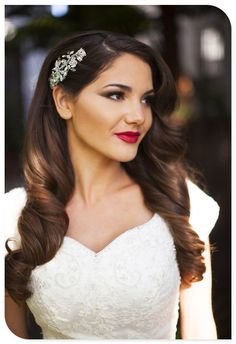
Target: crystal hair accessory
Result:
[64, 64]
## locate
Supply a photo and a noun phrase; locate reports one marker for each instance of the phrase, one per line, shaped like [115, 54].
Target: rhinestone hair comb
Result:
[64, 64]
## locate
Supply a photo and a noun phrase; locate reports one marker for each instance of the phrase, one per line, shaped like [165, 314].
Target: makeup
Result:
[128, 136]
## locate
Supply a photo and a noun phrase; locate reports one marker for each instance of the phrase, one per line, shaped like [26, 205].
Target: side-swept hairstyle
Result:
[159, 167]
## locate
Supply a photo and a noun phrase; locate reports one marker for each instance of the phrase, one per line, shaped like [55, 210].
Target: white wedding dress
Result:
[128, 290]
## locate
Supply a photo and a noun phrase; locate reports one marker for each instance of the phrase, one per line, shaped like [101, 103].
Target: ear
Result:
[62, 102]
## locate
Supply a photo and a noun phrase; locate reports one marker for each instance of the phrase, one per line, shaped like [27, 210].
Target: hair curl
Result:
[159, 167]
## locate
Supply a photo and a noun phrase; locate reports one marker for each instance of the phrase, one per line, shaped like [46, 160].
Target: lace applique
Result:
[128, 290]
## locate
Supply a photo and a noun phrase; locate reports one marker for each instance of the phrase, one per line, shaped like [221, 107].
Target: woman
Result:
[111, 233]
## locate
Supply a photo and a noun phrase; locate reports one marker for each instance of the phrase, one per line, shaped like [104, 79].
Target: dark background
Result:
[195, 41]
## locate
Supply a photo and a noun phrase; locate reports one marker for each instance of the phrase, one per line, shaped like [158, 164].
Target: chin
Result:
[124, 155]
[126, 158]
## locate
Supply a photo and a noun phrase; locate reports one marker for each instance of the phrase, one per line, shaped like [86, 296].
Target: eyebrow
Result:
[128, 88]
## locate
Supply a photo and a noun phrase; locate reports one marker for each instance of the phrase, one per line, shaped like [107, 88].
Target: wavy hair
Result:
[159, 166]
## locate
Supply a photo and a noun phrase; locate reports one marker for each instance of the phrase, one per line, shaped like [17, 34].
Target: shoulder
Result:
[204, 210]
[13, 202]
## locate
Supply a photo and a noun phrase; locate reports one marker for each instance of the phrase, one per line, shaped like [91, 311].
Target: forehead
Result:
[128, 69]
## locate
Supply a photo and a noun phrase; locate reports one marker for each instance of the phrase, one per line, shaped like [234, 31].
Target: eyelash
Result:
[121, 95]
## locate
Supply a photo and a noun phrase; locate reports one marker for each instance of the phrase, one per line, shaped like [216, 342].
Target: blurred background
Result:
[195, 41]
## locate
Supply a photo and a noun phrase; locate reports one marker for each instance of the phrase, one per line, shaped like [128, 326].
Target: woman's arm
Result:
[15, 317]
[196, 316]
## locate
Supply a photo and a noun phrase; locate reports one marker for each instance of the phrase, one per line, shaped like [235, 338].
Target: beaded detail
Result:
[64, 64]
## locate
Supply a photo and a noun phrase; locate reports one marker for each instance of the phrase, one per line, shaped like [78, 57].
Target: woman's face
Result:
[112, 114]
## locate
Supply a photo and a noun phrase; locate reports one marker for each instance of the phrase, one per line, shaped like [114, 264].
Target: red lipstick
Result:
[129, 136]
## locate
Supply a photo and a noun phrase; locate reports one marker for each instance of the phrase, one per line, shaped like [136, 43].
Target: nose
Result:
[135, 114]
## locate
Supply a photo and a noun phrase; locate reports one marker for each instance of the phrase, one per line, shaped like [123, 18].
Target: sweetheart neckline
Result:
[111, 243]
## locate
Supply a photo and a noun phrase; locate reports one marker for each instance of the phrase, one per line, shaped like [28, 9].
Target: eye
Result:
[115, 95]
[149, 100]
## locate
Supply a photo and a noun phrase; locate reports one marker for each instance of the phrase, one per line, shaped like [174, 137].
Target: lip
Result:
[129, 136]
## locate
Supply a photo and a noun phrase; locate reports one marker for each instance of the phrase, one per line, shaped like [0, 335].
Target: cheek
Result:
[86, 118]
[92, 124]
[148, 122]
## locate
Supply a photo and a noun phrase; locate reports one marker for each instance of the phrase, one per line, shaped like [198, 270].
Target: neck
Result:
[95, 175]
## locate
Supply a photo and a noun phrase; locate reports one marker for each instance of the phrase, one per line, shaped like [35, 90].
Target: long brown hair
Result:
[159, 167]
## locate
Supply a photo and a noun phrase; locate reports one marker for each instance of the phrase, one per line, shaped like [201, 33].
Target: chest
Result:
[98, 226]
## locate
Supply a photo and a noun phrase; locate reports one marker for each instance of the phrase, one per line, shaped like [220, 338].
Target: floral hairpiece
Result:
[65, 63]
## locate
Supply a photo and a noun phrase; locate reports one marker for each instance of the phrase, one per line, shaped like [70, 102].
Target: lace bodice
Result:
[129, 290]
[121, 292]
